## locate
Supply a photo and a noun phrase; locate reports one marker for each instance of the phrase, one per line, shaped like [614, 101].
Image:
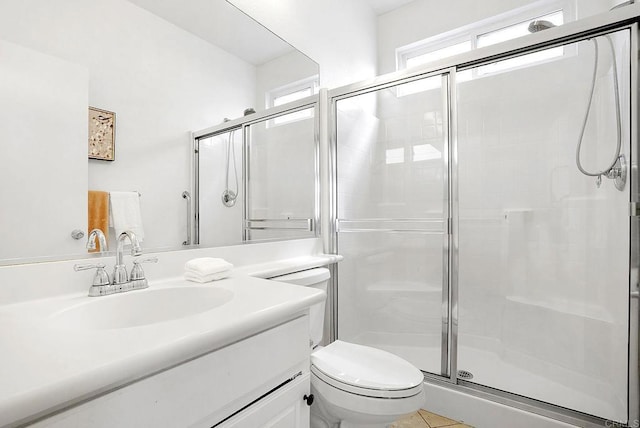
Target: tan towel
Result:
[99, 214]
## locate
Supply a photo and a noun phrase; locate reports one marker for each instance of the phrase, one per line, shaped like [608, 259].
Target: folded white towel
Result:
[191, 276]
[125, 213]
[207, 266]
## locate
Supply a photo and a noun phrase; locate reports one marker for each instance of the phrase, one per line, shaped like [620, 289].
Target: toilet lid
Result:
[371, 371]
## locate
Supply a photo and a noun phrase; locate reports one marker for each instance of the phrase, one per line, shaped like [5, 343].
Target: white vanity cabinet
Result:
[259, 381]
[285, 408]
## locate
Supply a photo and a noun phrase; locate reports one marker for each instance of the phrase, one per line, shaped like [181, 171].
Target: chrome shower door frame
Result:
[634, 261]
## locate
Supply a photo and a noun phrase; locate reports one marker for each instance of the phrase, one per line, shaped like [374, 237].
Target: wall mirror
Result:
[164, 68]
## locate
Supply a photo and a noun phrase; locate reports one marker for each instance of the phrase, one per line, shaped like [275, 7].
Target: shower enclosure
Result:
[474, 246]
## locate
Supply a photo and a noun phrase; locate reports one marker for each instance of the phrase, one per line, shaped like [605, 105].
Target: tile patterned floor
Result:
[424, 419]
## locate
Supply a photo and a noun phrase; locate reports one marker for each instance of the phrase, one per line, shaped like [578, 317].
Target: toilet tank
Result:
[316, 278]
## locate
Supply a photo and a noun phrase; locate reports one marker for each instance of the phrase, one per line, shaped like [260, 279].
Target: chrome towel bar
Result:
[186, 195]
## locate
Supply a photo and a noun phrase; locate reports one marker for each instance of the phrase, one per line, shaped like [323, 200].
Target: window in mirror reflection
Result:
[289, 93]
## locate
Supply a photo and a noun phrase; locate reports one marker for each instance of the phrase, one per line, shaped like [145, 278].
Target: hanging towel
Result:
[98, 215]
[125, 213]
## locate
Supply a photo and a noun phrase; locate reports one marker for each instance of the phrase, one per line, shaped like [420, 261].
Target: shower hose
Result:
[599, 174]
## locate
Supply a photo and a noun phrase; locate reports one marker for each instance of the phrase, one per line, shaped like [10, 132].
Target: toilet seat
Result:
[366, 371]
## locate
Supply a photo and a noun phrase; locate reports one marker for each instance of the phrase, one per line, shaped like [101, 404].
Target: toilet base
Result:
[326, 413]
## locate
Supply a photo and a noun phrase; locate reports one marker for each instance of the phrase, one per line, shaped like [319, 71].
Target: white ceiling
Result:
[383, 6]
[221, 24]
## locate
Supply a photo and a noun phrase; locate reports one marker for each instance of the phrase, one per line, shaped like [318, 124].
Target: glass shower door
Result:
[543, 248]
[392, 211]
[281, 177]
[219, 171]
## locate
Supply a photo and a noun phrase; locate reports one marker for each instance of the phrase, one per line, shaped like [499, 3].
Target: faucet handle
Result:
[137, 277]
[101, 277]
[136, 271]
[153, 259]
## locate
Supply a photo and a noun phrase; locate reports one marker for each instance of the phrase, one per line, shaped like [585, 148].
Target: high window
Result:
[484, 33]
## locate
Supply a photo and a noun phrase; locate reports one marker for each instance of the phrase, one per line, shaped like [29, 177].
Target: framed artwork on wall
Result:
[102, 134]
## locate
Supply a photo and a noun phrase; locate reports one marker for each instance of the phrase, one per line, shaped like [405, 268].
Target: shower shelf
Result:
[567, 307]
[404, 287]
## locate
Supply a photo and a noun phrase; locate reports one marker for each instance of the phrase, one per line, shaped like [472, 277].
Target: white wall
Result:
[161, 81]
[43, 123]
[339, 35]
[281, 71]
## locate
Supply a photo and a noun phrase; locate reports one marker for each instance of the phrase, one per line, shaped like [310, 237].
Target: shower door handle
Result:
[635, 294]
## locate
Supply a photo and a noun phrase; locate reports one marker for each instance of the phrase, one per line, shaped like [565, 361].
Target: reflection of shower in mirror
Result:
[229, 196]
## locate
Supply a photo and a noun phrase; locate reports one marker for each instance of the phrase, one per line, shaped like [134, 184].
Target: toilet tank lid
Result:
[305, 277]
[366, 367]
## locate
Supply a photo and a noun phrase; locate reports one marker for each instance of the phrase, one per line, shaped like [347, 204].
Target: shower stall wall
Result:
[473, 245]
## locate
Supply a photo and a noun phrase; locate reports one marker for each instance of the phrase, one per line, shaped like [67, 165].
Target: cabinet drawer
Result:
[283, 408]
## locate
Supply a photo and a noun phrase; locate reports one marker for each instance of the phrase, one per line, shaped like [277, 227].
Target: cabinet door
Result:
[284, 408]
[205, 391]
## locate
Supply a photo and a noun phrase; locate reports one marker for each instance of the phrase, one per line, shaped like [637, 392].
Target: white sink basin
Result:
[140, 307]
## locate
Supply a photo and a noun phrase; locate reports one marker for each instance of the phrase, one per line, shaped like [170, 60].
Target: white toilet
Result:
[355, 385]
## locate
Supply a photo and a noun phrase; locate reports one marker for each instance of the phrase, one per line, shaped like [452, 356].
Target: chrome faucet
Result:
[121, 281]
[120, 275]
[97, 234]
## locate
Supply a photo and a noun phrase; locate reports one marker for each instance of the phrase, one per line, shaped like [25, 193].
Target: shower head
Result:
[539, 25]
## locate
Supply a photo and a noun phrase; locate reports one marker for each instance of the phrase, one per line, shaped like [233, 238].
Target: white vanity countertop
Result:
[45, 366]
